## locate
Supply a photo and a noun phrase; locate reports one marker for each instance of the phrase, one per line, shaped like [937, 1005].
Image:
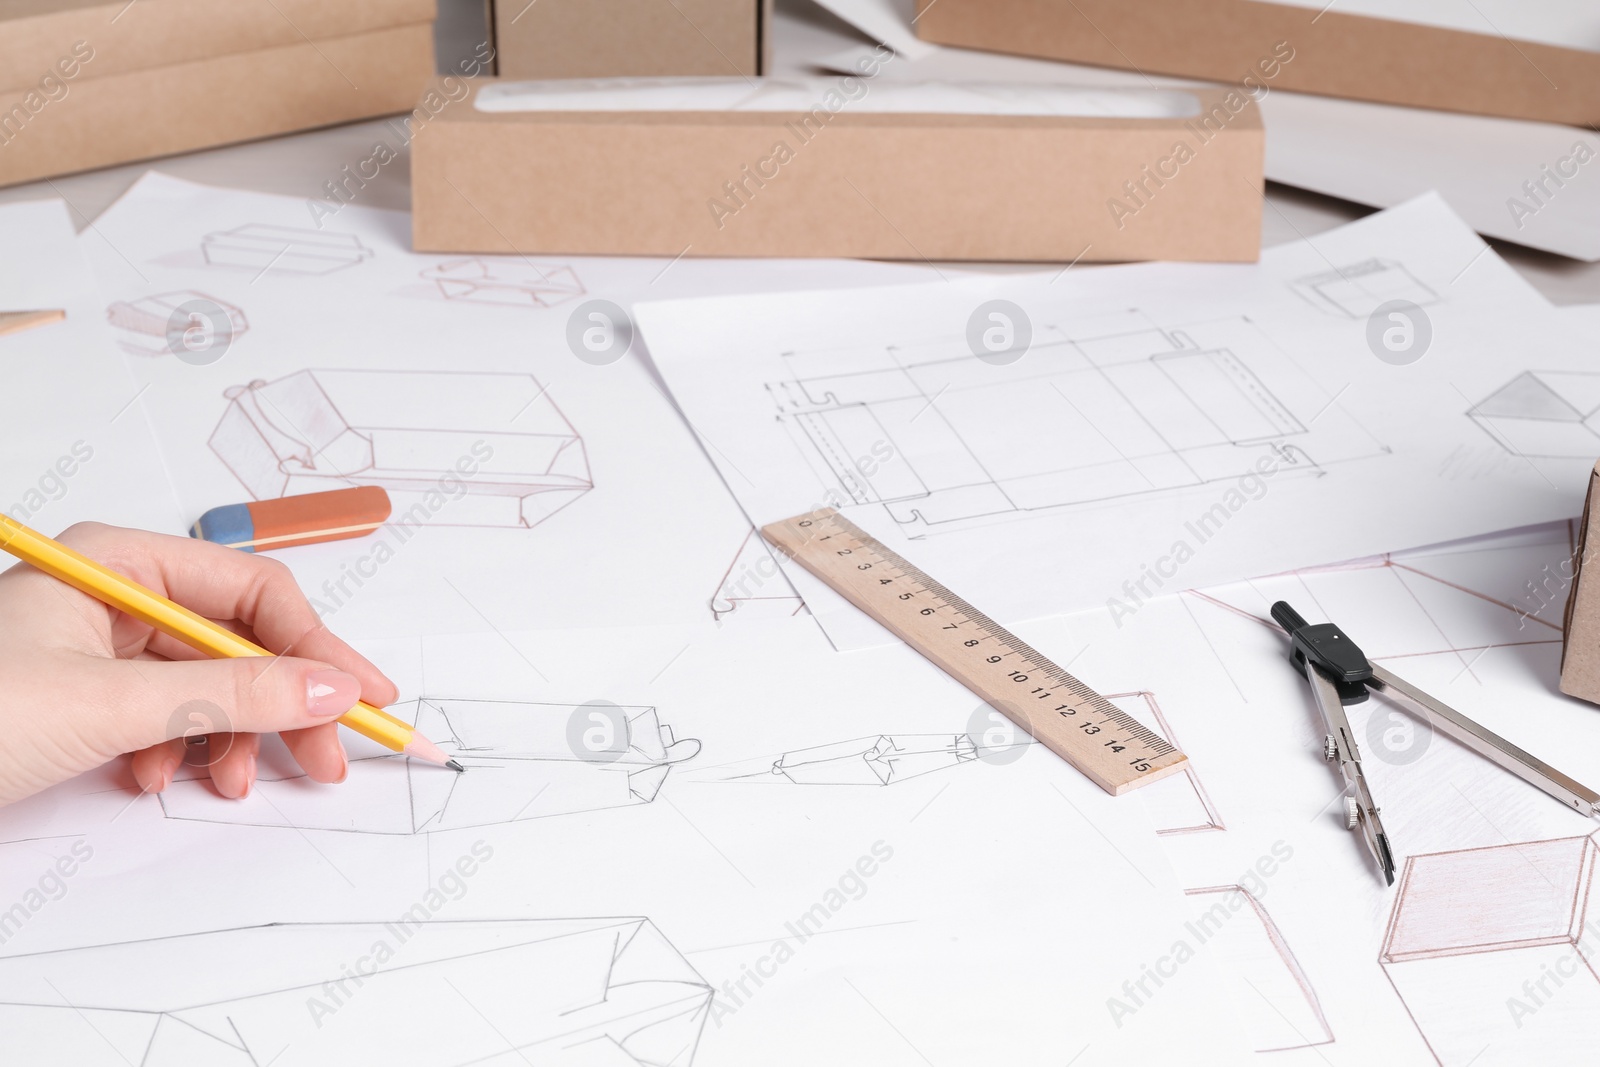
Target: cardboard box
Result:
[1580, 636]
[123, 36]
[141, 114]
[1333, 53]
[841, 182]
[620, 38]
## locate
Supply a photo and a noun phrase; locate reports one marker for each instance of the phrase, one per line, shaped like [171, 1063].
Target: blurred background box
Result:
[1508, 58]
[613, 38]
[160, 33]
[88, 85]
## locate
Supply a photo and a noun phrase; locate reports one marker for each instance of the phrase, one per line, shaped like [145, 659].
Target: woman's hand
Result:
[81, 683]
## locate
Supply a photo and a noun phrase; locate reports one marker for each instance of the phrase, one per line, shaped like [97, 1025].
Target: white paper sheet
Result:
[1525, 182]
[1374, 154]
[1584, 318]
[982, 912]
[1563, 23]
[1153, 427]
[888, 21]
[776, 94]
[531, 487]
[1324, 966]
[76, 444]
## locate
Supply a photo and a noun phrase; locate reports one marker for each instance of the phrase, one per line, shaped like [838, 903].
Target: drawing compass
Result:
[1341, 674]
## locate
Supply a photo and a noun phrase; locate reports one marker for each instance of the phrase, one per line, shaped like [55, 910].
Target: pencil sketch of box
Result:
[522, 761]
[505, 281]
[590, 992]
[152, 325]
[450, 448]
[881, 760]
[1178, 804]
[1358, 289]
[1497, 948]
[1278, 1006]
[283, 250]
[1544, 414]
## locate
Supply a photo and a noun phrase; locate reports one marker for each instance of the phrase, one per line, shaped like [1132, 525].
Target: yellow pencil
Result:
[201, 634]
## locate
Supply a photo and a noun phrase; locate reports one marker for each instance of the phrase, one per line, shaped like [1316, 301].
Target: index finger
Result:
[227, 584]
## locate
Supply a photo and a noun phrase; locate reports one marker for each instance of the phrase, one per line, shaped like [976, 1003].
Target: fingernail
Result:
[169, 768]
[249, 777]
[331, 692]
[344, 766]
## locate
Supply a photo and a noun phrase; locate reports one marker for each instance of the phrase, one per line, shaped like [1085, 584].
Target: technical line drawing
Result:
[1178, 804]
[1119, 408]
[524, 761]
[283, 250]
[881, 760]
[754, 585]
[1356, 290]
[1544, 415]
[505, 281]
[452, 448]
[1476, 934]
[153, 317]
[575, 992]
[1415, 587]
[1287, 1013]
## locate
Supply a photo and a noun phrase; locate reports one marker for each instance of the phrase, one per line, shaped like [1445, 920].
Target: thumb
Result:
[257, 695]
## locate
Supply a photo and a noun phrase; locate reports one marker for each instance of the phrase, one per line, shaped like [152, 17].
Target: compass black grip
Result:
[1287, 617]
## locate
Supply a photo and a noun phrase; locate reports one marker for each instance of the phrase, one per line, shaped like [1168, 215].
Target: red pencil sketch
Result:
[1178, 804]
[450, 448]
[505, 281]
[1494, 948]
[1237, 928]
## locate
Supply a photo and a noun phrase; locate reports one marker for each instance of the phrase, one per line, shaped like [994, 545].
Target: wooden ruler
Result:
[1113, 748]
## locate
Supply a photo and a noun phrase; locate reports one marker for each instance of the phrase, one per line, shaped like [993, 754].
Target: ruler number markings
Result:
[971, 647]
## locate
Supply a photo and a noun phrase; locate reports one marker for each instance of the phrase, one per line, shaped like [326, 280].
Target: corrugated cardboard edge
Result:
[1336, 54]
[244, 97]
[871, 185]
[1580, 625]
[150, 34]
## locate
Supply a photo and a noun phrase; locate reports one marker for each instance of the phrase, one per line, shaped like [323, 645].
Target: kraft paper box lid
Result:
[1487, 70]
[1580, 638]
[36, 35]
[974, 171]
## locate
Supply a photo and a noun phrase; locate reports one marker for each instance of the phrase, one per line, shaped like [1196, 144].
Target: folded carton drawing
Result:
[1544, 414]
[504, 281]
[164, 322]
[283, 249]
[882, 760]
[562, 992]
[1471, 929]
[524, 761]
[456, 449]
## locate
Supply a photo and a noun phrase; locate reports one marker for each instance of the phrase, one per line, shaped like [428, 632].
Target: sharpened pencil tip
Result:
[454, 766]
